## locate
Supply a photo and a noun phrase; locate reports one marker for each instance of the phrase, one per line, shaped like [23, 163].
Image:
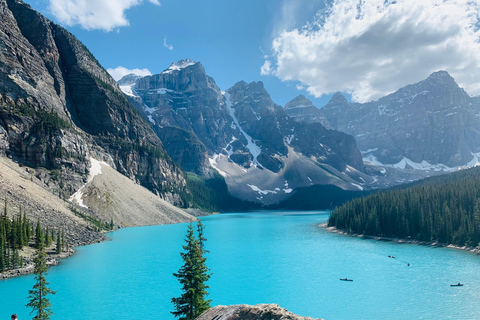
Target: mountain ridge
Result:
[435, 116]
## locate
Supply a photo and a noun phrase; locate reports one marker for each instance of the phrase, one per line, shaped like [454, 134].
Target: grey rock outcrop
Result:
[248, 312]
[274, 130]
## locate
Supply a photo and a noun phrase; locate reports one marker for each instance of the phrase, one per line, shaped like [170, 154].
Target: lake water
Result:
[264, 257]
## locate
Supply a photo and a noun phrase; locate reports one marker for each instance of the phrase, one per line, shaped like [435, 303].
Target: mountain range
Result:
[259, 150]
[431, 125]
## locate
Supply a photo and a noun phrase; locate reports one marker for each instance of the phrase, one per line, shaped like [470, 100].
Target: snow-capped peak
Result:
[176, 66]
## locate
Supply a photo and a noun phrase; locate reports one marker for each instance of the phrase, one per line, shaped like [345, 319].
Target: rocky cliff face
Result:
[241, 128]
[58, 107]
[247, 312]
[269, 125]
[184, 104]
[430, 125]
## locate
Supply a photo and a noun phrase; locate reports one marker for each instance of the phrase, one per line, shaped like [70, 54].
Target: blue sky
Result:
[365, 49]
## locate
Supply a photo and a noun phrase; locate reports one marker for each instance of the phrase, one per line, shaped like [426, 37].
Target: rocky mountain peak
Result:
[299, 101]
[128, 80]
[441, 77]
[182, 64]
[442, 80]
[253, 92]
[184, 75]
[338, 98]
[337, 102]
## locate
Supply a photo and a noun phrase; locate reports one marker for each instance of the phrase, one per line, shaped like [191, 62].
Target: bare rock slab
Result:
[248, 312]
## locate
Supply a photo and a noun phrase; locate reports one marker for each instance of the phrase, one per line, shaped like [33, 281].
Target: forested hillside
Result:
[444, 209]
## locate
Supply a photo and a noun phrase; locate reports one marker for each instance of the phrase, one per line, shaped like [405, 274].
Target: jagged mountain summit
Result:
[302, 110]
[242, 133]
[432, 125]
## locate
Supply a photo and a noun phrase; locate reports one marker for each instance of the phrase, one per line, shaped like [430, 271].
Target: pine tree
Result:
[26, 229]
[58, 248]
[16, 261]
[192, 276]
[201, 238]
[63, 240]
[39, 302]
[48, 238]
[39, 237]
[3, 263]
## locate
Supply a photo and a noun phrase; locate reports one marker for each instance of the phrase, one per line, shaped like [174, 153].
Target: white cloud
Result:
[266, 69]
[120, 71]
[372, 48]
[94, 14]
[168, 46]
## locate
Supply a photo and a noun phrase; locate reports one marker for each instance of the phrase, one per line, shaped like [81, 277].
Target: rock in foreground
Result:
[247, 312]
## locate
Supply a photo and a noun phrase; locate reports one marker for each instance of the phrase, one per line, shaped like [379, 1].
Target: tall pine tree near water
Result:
[193, 276]
[39, 302]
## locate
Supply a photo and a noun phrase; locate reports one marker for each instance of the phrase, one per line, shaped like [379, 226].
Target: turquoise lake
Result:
[264, 257]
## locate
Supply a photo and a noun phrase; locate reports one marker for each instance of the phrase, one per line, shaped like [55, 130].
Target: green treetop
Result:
[39, 302]
[193, 276]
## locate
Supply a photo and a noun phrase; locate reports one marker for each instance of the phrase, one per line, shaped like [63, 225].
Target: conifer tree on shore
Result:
[39, 302]
[193, 276]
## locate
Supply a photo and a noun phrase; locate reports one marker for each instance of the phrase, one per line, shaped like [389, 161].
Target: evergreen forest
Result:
[18, 232]
[444, 208]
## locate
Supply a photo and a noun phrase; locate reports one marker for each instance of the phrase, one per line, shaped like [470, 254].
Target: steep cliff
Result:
[58, 107]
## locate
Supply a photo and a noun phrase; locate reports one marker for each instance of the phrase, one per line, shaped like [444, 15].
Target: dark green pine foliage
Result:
[39, 237]
[48, 238]
[212, 195]
[14, 235]
[26, 229]
[443, 208]
[58, 248]
[3, 262]
[39, 302]
[193, 276]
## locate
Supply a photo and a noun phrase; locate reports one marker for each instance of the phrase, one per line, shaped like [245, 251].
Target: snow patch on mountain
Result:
[129, 90]
[149, 110]
[357, 185]
[405, 163]
[95, 169]
[289, 138]
[300, 107]
[177, 66]
[260, 191]
[475, 161]
[251, 146]
[213, 163]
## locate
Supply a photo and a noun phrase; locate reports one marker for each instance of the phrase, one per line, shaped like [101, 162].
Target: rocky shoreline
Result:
[52, 260]
[475, 250]
[249, 312]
